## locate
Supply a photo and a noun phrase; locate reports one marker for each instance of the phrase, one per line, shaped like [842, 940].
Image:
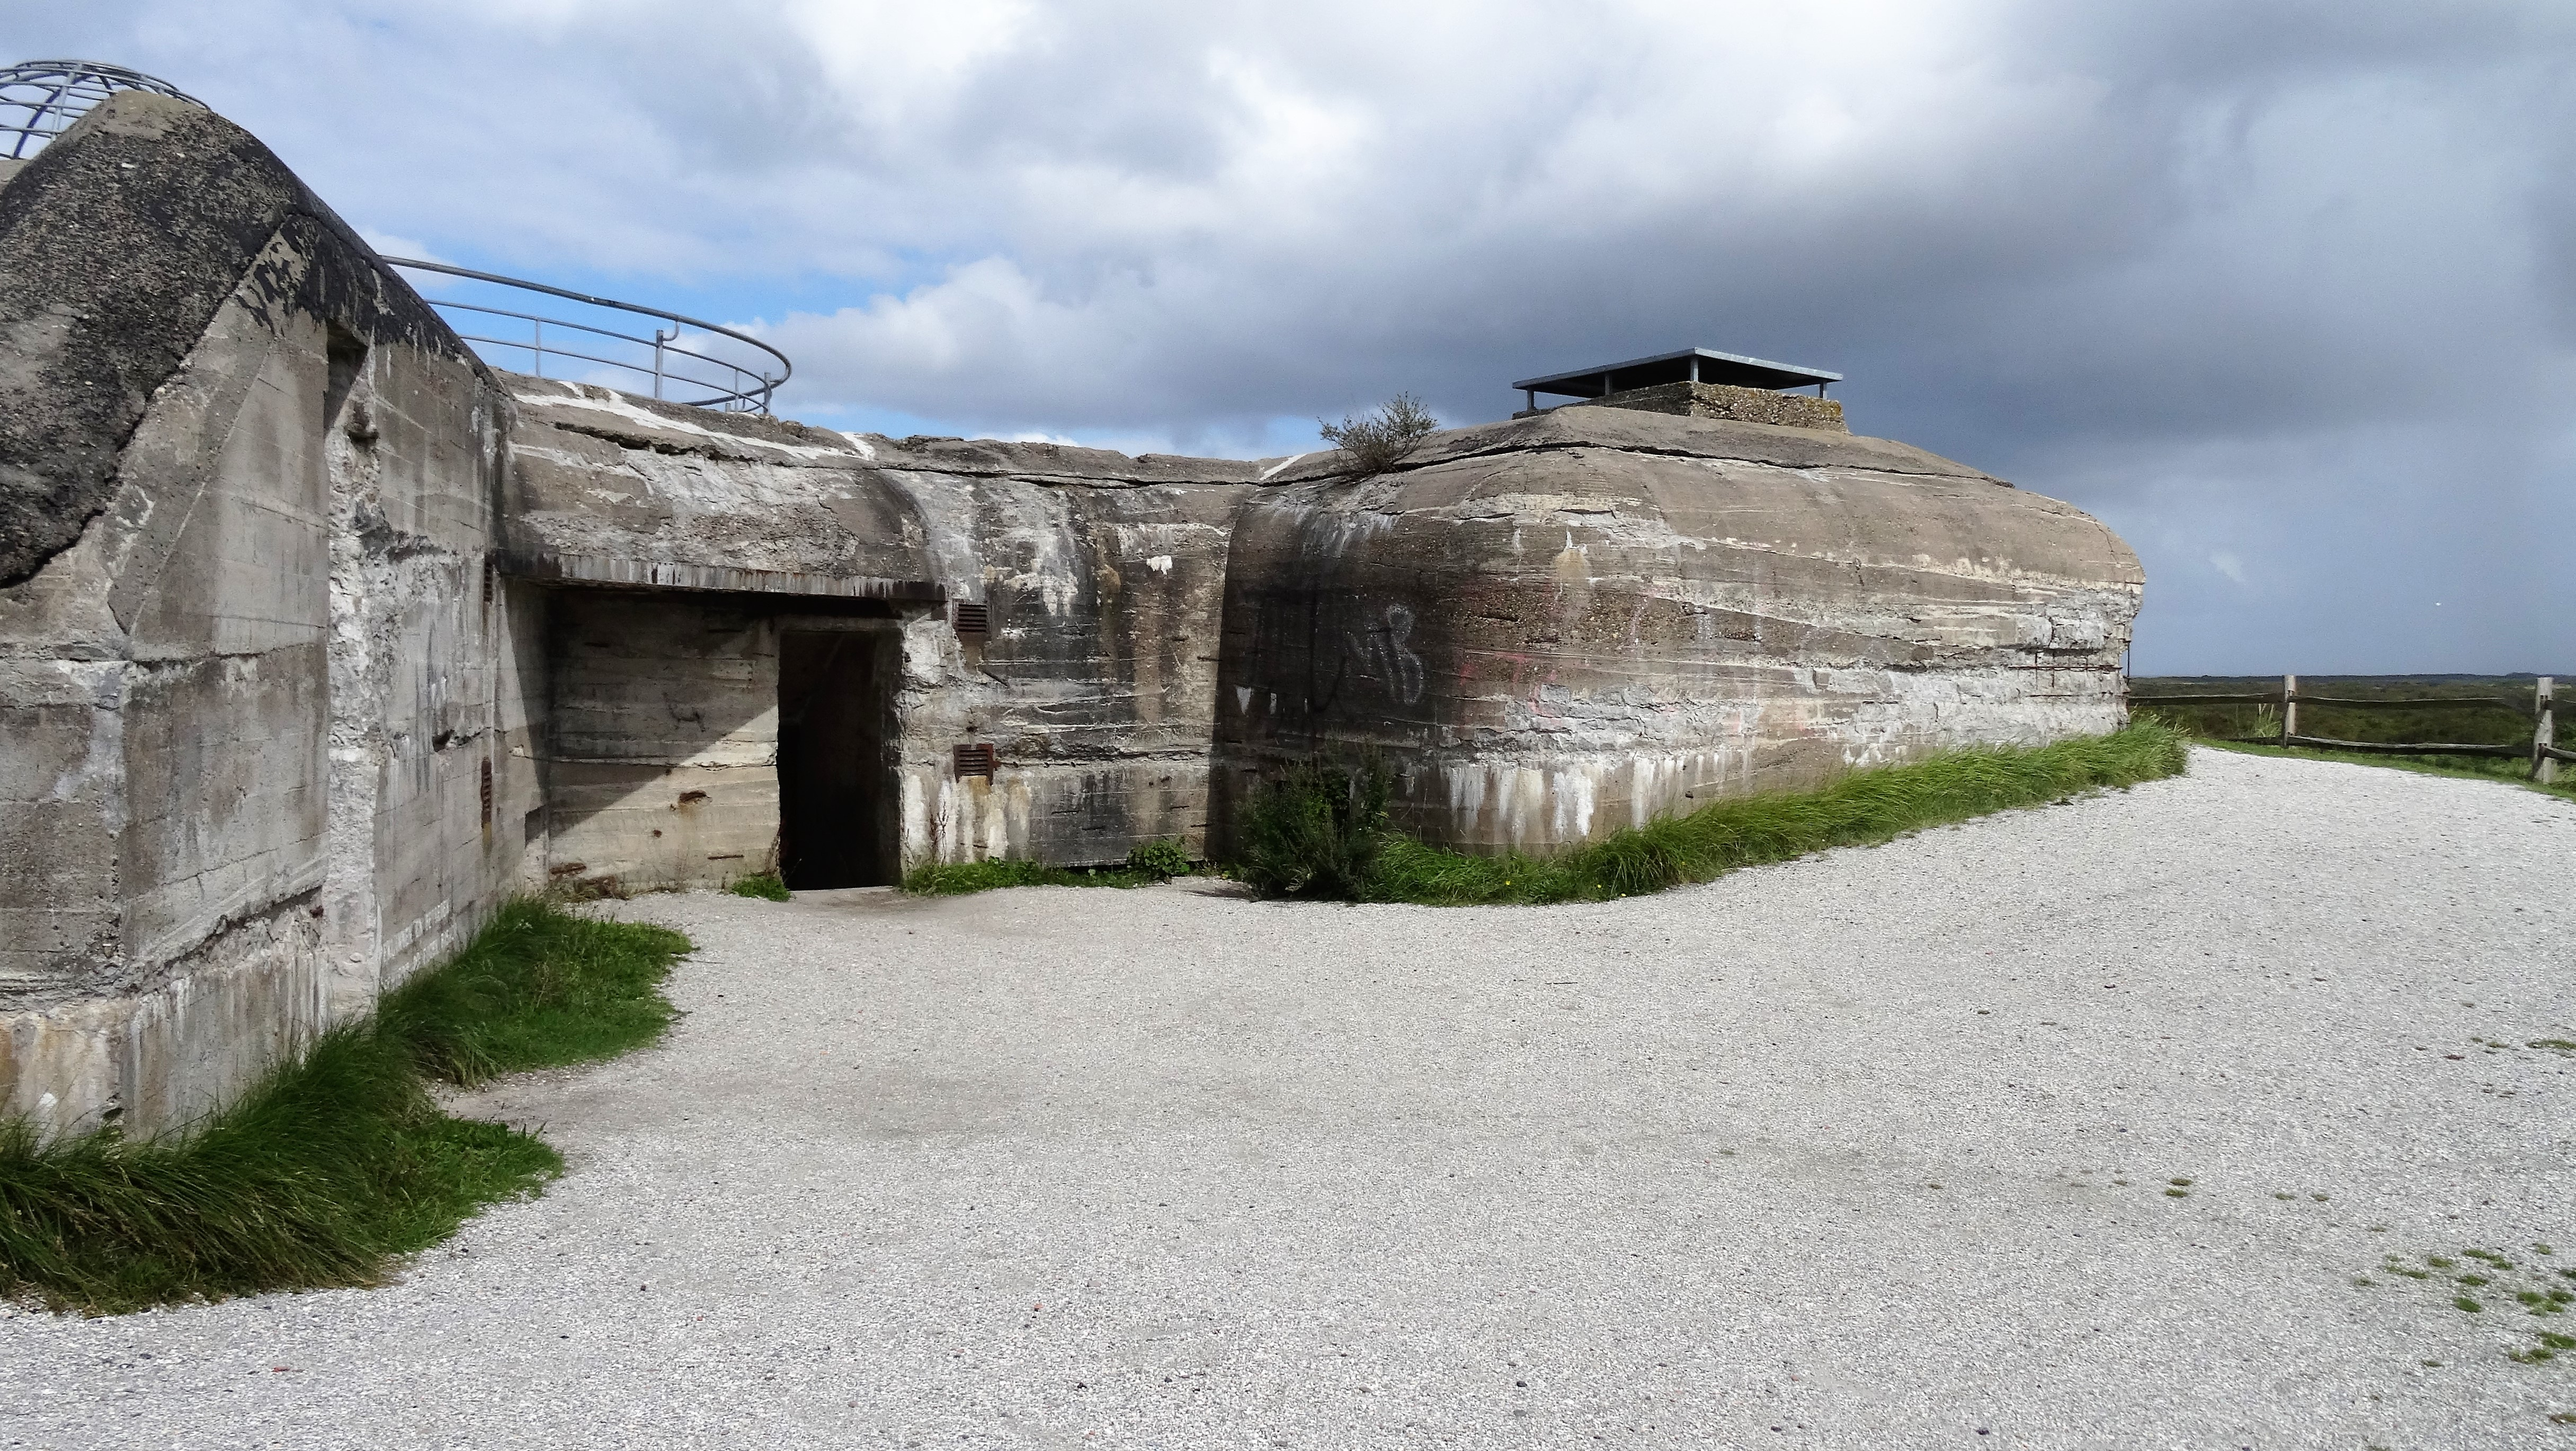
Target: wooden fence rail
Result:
[2544, 751]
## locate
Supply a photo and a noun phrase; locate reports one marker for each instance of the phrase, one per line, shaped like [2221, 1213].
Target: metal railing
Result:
[725, 384]
[40, 99]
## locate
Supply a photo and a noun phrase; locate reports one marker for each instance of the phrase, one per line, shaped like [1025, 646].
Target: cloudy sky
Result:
[2284, 292]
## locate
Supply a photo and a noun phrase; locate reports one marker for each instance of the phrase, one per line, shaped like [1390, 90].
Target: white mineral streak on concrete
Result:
[683, 479]
[1573, 799]
[915, 823]
[950, 840]
[584, 397]
[1280, 467]
[947, 506]
[998, 798]
[1334, 534]
[976, 819]
[1043, 536]
[100, 769]
[1162, 543]
[986, 533]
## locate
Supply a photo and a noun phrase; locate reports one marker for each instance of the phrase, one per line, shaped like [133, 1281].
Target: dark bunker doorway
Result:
[836, 787]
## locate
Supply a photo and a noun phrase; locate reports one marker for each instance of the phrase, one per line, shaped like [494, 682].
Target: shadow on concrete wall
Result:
[663, 736]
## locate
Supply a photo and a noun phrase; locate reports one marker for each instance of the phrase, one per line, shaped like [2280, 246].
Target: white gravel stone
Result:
[1165, 1168]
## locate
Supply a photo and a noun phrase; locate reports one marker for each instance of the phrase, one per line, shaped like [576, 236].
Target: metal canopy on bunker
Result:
[1691, 365]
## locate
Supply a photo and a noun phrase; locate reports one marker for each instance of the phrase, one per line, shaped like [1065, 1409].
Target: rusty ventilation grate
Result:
[973, 619]
[974, 761]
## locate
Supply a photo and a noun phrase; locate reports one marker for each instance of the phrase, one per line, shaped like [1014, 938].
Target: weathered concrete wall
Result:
[1554, 627]
[248, 681]
[1103, 576]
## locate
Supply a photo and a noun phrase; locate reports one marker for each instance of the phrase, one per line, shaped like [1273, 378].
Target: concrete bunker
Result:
[1577, 620]
[320, 636]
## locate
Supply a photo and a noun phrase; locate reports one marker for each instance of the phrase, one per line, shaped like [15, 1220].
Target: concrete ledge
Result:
[245, 1002]
[670, 574]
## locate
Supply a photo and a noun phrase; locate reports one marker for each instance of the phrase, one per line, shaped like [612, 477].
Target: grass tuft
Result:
[538, 988]
[766, 886]
[2538, 1297]
[341, 1161]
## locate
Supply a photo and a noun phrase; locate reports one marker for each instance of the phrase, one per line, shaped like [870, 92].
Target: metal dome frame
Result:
[52, 94]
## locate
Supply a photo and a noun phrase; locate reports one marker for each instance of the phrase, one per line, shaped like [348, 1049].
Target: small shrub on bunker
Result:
[1316, 831]
[1380, 440]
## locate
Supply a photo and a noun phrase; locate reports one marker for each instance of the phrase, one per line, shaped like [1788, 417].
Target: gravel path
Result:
[1866, 1150]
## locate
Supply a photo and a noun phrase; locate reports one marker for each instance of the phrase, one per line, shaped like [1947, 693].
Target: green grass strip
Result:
[1335, 852]
[1862, 808]
[1148, 862]
[342, 1161]
[766, 886]
[956, 879]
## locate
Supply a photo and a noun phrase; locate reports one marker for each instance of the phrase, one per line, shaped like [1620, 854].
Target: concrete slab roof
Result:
[1690, 365]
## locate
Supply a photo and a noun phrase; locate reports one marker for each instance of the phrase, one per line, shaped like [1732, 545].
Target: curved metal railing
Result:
[726, 384]
[40, 99]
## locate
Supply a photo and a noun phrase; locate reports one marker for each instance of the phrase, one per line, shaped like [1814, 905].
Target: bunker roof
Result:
[1691, 365]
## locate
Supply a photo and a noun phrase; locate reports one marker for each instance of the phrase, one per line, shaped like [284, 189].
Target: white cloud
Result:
[2295, 277]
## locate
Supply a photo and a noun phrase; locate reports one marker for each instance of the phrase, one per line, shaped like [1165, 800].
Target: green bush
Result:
[1161, 860]
[340, 1161]
[1315, 831]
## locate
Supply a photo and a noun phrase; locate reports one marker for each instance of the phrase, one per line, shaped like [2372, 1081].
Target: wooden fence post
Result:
[2289, 708]
[2544, 733]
